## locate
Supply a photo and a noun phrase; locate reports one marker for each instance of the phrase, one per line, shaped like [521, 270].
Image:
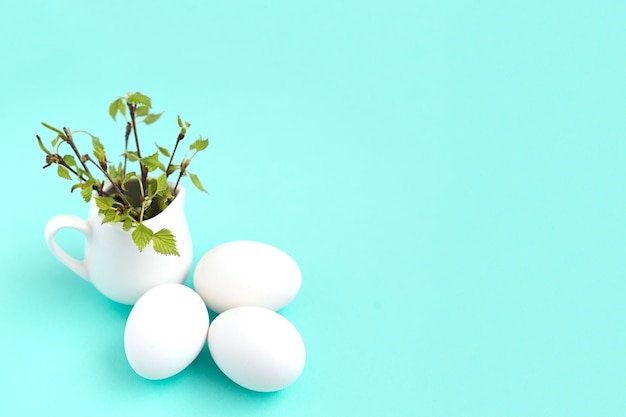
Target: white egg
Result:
[246, 273]
[257, 348]
[165, 331]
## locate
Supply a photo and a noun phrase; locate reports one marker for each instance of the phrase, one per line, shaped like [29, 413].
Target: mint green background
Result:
[449, 176]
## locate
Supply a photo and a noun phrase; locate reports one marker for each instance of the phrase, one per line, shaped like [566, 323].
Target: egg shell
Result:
[257, 348]
[246, 273]
[165, 331]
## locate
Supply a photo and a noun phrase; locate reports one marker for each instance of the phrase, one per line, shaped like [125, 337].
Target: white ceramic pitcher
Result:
[113, 263]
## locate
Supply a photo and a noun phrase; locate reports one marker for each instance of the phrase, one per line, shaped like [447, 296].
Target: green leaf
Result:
[127, 178]
[41, 145]
[64, 173]
[128, 223]
[60, 132]
[164, 242]
[168, 196]
[110, 216]
[152, 190]
[55, 141]
[199, 144]
[70, 160]
[142, 111]
[196, 181]
[117, 105]
[98, 149]
[100, 155]
[114, 107]
[132, 156]
[121, 106]
[139, 99]
[113, 171]
[104, 203]
[180, 122]
[80, 172]
[142, 236]
[152, 162]
[151, 118]
[162, 201]
[163, 150]
[87, 191]
[161, 183]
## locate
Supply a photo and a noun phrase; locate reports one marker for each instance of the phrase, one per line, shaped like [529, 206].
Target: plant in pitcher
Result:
[136, 218]
[138, 187]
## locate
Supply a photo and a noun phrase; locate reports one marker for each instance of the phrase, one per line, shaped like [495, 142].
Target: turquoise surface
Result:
[449, 176]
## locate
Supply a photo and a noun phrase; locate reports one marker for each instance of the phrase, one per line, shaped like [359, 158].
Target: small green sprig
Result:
[122, 195]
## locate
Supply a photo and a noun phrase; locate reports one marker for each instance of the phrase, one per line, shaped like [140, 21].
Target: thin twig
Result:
[183, 169]
[181, 135]
[55, 158]
[177, 181]
[63, 163]
[126, 136]
[70, 140]
[144, 170]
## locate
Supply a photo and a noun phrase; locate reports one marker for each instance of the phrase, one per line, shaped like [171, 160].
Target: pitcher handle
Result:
[72, 222]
